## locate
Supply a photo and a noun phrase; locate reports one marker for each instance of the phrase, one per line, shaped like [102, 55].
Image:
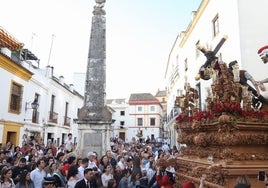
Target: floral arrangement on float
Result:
[227, 102]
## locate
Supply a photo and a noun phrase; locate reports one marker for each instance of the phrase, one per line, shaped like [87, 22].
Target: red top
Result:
[65, 168]
[163, 181]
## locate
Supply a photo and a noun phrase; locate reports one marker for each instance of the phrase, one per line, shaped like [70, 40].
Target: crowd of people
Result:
[127, 165]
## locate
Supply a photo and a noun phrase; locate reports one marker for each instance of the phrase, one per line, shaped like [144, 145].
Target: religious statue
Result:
[212, 68]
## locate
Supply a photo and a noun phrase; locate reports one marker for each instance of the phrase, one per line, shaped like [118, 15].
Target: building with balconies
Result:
[35, 105]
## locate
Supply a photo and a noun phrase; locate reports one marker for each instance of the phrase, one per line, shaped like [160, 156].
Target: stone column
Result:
[94, 118]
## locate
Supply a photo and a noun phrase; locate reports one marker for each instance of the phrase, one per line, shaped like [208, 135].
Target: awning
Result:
[7, 41]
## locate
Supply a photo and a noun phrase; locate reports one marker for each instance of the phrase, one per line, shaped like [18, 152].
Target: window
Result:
[152, 121]
[122, 113]
[139, 108]
[215, 23]
[53, 116]
[140, 122]
[152, 108]
[15, 97]
[67, 120]
[66, 109]
[52, 103]
[122, 123]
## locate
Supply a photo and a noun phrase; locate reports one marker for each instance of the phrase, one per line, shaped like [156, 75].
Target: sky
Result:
[139, 37]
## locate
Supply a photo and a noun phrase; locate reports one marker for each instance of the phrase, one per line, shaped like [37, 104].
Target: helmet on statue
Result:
[263, 53]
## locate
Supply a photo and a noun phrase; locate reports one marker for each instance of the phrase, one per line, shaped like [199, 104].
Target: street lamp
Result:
[34, 105]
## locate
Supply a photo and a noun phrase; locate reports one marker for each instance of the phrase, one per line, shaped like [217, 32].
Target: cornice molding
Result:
[192, 25]
[14, 68]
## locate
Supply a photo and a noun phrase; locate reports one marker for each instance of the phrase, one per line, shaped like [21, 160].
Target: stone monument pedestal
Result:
[93, 136]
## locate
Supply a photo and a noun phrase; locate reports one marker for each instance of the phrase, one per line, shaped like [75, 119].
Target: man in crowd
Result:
[18, 169]
[88, 180]
[69, 145]
[39, 173]
[82, 167]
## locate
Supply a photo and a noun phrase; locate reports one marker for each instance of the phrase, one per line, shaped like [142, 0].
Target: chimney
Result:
[6, 52]
[61, 80]
[49, 71]
[193, 13]
[71, 87]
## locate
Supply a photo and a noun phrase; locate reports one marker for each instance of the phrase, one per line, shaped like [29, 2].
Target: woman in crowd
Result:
[163, 180]
[111, 183]
[151, 170]
[71, 161]
[49, 161]
[142, 164]
[52, 169]
[104, 162]
[135, 179]
[117, 174]
[72, 176]
[60, 179]
[106, 175]
[16, 158]
[5, 180]
[124, 181]
[25, 180]
[121, 162]
[31, 162]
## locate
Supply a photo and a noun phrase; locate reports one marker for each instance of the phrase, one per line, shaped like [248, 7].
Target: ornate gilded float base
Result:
[222, 153]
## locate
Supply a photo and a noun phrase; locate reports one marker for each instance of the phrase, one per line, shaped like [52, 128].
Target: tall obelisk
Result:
[94, 118]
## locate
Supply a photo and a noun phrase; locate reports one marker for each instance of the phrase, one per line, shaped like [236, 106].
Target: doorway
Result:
[11, 137]
[122, 136]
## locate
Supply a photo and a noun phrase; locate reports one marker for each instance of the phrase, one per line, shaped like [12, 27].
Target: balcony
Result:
[35, 117]
[53, 117]
[67, 121]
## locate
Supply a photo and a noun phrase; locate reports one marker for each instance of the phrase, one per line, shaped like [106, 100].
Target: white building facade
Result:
[121, 118]
[36, 106]
[145, 116]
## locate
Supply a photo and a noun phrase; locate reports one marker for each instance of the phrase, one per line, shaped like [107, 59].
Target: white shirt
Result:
[92, 164]
[105, 178]
[68, 144]
[37, 177]
[80, 174]
[121, 165]
[165, 147]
